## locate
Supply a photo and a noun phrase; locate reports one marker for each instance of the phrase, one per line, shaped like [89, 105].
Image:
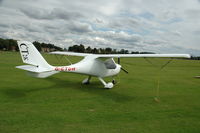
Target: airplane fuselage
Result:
[93, 67]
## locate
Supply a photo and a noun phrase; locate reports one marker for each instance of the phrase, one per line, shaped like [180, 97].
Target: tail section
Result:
[38, 66]
[30, 55]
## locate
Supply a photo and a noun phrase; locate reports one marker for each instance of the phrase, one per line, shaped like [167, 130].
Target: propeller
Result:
[124, 70]
[122, 67]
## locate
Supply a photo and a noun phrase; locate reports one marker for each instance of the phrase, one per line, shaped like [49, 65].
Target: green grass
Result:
[61, 103]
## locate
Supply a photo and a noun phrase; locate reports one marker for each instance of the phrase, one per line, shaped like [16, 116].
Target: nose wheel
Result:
[108, 85]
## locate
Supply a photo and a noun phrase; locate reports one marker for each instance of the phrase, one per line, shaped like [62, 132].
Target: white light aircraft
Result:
[92, 64]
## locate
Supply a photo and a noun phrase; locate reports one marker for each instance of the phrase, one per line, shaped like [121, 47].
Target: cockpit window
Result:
[110, 63]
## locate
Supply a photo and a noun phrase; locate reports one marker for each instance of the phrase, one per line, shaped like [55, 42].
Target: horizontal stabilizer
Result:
[34, 68]
[42, 74]
[36, 71]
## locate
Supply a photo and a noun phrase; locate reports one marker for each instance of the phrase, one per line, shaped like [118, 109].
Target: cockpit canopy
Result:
[110, 63]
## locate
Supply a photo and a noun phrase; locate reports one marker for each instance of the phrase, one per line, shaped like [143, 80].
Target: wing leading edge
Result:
[146, 55]
[70, 53]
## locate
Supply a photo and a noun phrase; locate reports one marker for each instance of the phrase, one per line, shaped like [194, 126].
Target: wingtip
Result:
[188, 56]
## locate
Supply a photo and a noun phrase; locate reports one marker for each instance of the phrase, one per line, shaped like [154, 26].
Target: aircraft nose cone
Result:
[119, 66]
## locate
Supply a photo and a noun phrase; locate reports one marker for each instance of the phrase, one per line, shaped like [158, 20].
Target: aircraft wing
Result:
[122, 55]
[70, 53]
[144, 55]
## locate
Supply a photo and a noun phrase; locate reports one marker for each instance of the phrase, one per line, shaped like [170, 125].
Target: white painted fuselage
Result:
[90, 66]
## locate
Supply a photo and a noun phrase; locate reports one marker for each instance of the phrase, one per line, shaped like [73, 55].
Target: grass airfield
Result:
[62, 104]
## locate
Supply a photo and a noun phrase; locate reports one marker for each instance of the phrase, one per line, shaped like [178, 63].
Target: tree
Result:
[88, 49]
[12, 44]
[114, 51]
[70, 48]
[102, 51]
[37, 45]
[136, 52]
[95, 51]
[81, 49]
[108, 50]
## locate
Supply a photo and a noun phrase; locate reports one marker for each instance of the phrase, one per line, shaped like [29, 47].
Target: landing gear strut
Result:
[87, 80]
[108, 85]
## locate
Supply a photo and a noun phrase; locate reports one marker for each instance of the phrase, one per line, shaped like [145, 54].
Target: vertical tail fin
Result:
[30, 55]
[38, 66]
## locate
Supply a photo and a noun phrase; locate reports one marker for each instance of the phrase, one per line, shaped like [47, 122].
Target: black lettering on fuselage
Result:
[24, 51]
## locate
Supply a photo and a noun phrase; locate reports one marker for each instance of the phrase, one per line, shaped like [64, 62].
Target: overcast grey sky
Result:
[161, 26]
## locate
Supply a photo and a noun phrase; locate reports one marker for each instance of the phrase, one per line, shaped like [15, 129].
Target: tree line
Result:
[46, 47]
[11, 45]
[8, 45]
[195, 57]
[82, 49]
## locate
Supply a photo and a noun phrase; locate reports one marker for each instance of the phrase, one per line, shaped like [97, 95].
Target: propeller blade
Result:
[124, 70]
[121, 67]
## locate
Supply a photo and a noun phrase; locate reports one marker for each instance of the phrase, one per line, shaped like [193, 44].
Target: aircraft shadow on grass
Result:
[94, 88]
